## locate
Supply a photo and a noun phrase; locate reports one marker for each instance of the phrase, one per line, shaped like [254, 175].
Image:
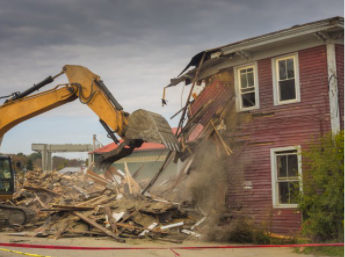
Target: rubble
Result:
[75, 205]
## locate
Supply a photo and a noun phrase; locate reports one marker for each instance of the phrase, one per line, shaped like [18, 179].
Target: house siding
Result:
[279, 126]
[339, 52]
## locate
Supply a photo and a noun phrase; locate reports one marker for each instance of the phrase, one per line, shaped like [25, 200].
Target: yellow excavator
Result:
[136, 128]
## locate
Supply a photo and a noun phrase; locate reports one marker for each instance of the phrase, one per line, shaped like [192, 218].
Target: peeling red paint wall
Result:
[284, 125]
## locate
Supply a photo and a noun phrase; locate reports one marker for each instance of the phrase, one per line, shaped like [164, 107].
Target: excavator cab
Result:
[6, 177]
[11, 215]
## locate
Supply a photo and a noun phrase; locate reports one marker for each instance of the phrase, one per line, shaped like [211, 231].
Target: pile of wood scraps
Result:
[109, 205]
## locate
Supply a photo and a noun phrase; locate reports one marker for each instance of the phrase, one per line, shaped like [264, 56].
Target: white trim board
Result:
[273, 151]
[333, 88]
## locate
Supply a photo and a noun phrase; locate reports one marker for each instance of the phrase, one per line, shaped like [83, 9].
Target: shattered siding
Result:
[214, 96]
[280, 126]
[339, 51]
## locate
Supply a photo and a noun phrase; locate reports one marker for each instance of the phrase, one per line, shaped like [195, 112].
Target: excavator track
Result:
[13, 215]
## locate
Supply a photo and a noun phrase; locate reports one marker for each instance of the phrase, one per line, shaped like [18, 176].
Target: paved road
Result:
[267, 252]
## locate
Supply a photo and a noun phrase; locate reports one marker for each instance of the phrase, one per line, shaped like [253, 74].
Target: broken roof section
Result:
[146, 146]
[251, 49]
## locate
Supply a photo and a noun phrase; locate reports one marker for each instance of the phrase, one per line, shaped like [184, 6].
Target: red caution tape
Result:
[61, 247]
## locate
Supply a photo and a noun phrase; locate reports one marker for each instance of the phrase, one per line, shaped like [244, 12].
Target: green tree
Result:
[322, 199]
[29, 165]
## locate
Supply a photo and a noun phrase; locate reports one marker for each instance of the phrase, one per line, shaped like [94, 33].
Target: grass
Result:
[323, 250]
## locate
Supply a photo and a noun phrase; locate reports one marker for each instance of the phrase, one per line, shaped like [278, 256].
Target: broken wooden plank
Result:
[60, 230]
[44, 190]
[128, 178]
[90, 201]
[178, 224]
[154, 224]
[111, 219]
[73, 208]
[97, 178]
[39, 200]
[188, 232]
[225, 146]
[99, 227]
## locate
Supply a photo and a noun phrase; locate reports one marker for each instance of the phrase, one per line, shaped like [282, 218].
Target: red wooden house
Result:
[288, 86]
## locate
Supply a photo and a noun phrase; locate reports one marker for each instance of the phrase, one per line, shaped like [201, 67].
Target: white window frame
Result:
[275, 191]
[238, 86]
[275, 75]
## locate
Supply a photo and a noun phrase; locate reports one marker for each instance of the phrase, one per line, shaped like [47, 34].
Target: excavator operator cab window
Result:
[6, 177]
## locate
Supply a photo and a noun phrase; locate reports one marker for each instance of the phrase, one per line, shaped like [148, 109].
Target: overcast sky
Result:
[136, 46]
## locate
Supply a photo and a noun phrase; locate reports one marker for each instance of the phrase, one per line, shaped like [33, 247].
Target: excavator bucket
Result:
[151, 127]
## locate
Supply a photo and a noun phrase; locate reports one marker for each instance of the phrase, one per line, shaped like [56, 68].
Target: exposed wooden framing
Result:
[227, 149]
[190, 94]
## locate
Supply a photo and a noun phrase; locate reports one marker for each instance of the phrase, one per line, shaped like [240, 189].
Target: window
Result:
[286, 171]
[6, 179]
[247, 87]
[286, 80]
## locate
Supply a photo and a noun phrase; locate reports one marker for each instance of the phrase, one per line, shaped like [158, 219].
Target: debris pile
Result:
[100, 205]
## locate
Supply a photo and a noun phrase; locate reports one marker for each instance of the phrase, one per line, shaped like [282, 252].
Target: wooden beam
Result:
[111, 219]
[99, 227]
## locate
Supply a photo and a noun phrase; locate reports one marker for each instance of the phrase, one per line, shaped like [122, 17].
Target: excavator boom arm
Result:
[136, 128]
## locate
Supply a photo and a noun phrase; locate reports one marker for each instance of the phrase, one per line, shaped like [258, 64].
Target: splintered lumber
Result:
[154, 224]
[73, 208]
[111, 219]
[197, 235]
[178, 224]
[42, 189]
[60, 230]
[101, 181]
[225, 146]
[97, 178]
[140, 228]
[90, 201]
[39, 200]
[85, 232]
[96, 225]
[128, 178]
[132, 183]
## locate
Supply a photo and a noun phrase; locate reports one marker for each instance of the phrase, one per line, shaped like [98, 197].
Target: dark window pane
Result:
[287, 90]
[281, 166]
[243, 80]
[292, 166]
[290, 69]
[248, 100]
[250, 77]
[283, 189]
[5, 172]
[250, 70]
[5, 187]
[282, 70]
[293, 191]
[243, 71]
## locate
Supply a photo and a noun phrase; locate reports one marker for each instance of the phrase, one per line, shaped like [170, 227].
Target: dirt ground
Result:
[100, 242]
